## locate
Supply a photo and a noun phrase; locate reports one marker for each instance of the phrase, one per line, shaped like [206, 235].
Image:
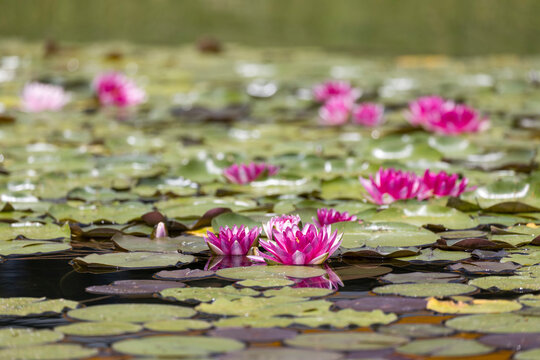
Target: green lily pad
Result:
[436, 255]
[530, 300]
[34, 231]
[177, 346]
[27, 306]
[16, 337]
[265, 283]
[136, 313]
[532, 354]
[47, 352]
[30, 247]
[425, 289]
[346, 341]
[231, 219]
[496, 323]
[507, 283]
[177, 325]
[119, 213]
[184, 244]
[200, 294]
[100, 328]
[299, 292]
[263, 272]
[421, 277]
[445, 347]
[416, 330]
[345, 318]
[133, 260]
[281, 354]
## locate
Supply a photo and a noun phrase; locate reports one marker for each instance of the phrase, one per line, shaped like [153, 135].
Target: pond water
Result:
[82, 191]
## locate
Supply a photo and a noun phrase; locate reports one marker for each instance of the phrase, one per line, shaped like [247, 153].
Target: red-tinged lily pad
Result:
[512, 341]
[277, 353]
[255, 334]
[133, 287]
[395, 304]
[484, 267]
[469, 244]
[184, 274]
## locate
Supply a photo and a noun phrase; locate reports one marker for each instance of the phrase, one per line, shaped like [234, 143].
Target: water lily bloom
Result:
[37, 97]
[235, 241]
[334, 88]
[246, 173]
[389, 185]
[115, 89]
[161, 230]
[457, 119]
[424, 109]
[280, 223]
[293, 246]
[442, 184]
[331, 216]
[368, 114]
[336, 111]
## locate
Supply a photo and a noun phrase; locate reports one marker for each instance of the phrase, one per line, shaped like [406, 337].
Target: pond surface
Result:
[83, 189]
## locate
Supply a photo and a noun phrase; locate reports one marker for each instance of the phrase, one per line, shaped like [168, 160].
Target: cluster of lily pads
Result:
[200, 192]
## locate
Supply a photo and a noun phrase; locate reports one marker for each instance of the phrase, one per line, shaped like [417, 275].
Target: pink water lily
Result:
[389, 185]
[331, 216]
[334, 88]
[235, 241]
[294, 246]
[336, 111]
[368, 114]
[442, 184]
[457, 119]
[280, 223]
[425, 109]
[37, 97]
[161, 230]
[445, 117]
[115, 89]
[245, 173]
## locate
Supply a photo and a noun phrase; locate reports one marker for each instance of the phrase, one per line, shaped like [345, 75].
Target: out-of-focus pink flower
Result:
[457, 119]
[161, 230]
[334, 88]
[246, 173]
[336, 111]
[442, 184]
[368, 114]
[37, 97]
[309, 246]
[330, 281]
[331, 216]
[389, 185]
[115, 89]
[235, 241]
[425, 109]
[280, 223]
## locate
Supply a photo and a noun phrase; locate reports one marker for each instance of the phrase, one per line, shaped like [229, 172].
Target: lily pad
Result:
[200, 294]
[184, 274]
[16, 337]
[262, 272]
[254, 335]
[474, 306]
[445, 347]
[177, 346]
[47, 352]
[134, 260]
[136, 313]
[507, 283]
[133, 287]
[421, 277]
[28, 306]
[281, 354]
[496, 323]
[425, 289]
[346, 341]
[34, 231]
[100, 328]
[416, 330]
[265, 283]
[385, 303]
[177, 325]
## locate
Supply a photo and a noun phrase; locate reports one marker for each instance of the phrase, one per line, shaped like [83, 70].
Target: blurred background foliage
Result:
[366, 27]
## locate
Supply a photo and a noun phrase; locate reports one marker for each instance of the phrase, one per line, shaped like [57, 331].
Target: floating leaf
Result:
[51, 351]
[507, 283]
[496, 323]
[200, 294]
[177, 325]
[27, 306]
[445, 347]
[425, 289]
[16, 337]
[34, 231]
[134, 260]
[177, 346]
[184, 274]
[265, 283]
[133, 287]
[100, 328]
[263, 272]
[346, 341]
[474, 306]
[254, 335]
[421, 277]
[137, 313]
[416, 330]
[385, 303]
